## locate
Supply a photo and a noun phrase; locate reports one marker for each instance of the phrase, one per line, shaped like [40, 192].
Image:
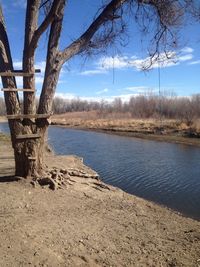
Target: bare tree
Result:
[28, 129]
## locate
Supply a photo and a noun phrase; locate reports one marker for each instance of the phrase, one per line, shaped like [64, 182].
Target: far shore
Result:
[154, 137]
[164, 130]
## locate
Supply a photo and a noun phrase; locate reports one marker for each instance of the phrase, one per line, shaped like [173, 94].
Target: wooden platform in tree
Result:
[17, 89]
[28, 116]
[28, 136]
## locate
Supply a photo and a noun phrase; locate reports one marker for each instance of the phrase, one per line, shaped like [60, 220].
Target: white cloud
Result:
[123, 62]
[194, 62]
[93, 72]
[187, 50]
[138, 89]
[102, 91]
[65, 95]
[164, 60]
[185, 57]
[117, 62]
[17, 64]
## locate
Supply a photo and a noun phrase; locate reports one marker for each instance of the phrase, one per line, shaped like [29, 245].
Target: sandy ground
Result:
[87, 224]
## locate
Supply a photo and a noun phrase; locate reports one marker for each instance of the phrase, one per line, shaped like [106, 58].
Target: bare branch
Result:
[160, 19]
[44, 3]
[28, 53]
[108, 14]
[44, 25]
[52, 62]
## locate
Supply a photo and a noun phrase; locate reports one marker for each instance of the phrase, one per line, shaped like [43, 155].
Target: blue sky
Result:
[116, 74]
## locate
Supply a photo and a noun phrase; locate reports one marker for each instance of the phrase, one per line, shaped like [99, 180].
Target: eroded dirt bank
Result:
[87, 223]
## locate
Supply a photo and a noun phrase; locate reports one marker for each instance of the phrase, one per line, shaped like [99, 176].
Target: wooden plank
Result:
[41, 116]
[19, 73]
[27, 116]
[28, 136]
[12, 74]
[17, 89]
[32, 158]
[36, 71]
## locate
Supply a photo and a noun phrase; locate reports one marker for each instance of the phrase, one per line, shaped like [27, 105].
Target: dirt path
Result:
[88, 224]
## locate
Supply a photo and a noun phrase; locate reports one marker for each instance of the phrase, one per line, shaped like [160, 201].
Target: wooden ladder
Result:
[23, 116]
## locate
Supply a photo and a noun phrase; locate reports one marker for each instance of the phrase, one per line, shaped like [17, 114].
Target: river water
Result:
[166, 173]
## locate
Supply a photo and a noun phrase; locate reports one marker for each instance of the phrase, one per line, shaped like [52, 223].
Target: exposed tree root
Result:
[61, 178]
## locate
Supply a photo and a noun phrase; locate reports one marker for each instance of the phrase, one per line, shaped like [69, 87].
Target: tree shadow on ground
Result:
[8, 179]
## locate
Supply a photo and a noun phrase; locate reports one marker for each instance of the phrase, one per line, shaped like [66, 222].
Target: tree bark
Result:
[53, 62]
[28, 153]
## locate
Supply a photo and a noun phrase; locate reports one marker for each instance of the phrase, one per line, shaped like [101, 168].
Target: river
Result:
[166, 173]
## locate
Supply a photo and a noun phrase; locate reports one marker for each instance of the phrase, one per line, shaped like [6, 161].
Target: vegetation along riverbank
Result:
[86, 222]
[168, 130]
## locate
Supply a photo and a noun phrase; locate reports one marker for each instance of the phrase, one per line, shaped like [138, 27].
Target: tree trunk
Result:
[29, 156]
[29, 152]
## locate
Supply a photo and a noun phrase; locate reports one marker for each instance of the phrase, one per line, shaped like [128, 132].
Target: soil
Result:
[87, 223]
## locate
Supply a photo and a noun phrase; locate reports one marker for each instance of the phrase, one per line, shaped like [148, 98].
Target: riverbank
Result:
[172, 131]
[160, 130]
[87, 223]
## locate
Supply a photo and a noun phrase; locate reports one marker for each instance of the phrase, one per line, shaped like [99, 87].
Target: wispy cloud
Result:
[117, 62]
[138, 89]
[65, 95]
[187, 50]
[105, 90]
[93, 72]
[194, 62]
[185, 57]
[164, 60]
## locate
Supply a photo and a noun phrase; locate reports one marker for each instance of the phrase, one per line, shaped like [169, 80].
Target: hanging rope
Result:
[113, 68]
[159, 89]
[159, 81]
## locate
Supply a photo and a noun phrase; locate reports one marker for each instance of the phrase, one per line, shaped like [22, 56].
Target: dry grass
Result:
[169, 130]
[4, 137]
[117, 121]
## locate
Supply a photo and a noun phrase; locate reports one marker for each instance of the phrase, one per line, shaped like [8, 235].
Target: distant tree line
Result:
[141, 106]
